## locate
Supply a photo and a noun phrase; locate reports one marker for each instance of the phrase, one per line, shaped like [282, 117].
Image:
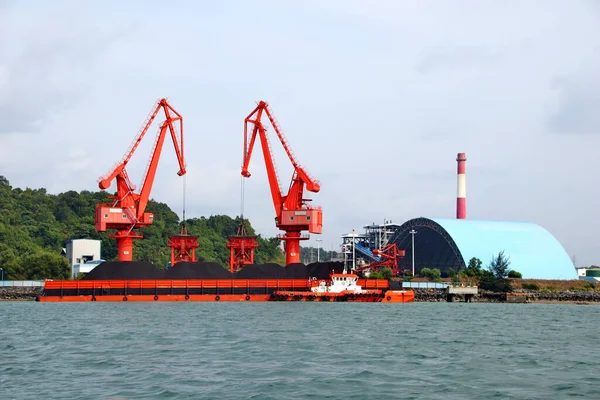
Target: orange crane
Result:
[389, 256]
[293, 212]
[128, 210]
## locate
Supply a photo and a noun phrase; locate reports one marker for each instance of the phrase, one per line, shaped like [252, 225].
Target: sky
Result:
[375, 98]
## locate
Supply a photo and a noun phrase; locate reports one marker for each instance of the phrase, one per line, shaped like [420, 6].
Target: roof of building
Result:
[451, 243]
[80, 240]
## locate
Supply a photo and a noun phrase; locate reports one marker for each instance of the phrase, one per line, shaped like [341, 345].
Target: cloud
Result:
[47, 63]
[375, 98]
[463, 58]
[578, 106]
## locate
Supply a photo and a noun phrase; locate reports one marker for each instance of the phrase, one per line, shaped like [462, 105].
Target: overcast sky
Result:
[376, 98]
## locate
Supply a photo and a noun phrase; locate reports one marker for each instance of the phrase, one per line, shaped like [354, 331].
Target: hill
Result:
[34, 226]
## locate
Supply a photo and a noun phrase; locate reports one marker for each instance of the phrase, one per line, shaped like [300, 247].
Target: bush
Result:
[434, 274]
[488, 281]
[386, 273]
[375, 275]
[515, 274]
[530, 286]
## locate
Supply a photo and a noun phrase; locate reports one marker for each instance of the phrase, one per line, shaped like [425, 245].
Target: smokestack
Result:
[461, 197]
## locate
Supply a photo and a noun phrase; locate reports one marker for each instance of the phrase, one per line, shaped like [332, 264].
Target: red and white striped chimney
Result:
[461, 197]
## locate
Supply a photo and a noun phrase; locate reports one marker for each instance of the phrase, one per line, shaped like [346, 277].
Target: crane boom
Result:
[293, 212]
[128, 211]
[258, 129]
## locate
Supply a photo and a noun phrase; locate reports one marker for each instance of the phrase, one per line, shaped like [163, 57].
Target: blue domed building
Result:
[451, 243]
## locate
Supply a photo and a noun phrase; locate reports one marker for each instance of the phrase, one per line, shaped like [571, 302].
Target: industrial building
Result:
[451, 243]
[446, 243]
[83, 255]
[591, 273]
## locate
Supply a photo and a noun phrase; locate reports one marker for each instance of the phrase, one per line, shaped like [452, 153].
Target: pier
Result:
[466, 290]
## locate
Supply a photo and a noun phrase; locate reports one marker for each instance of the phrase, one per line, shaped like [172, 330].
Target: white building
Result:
[581, 271]
[83, 255]
[591, 273]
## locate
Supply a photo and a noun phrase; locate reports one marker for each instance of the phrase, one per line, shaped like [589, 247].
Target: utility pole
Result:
[318, 250]
[353, 251]
[345, 255]
[412, 232]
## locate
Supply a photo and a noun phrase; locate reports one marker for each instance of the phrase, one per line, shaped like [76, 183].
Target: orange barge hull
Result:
[197, 290]
[148, 298]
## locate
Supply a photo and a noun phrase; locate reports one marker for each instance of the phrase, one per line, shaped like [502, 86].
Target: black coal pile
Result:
[121, 270]
[118, 270]
[322, 270]
[272, 271]
[197, 270]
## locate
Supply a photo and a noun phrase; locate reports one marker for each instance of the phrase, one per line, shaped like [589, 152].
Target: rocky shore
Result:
[587, 296]
[15, 293]
[519, 296]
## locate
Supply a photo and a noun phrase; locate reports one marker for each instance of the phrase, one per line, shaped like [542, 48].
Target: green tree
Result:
[45, 264]
[499, 266]
[515, 274]
[4, 181]
[495, 277]
[474, 268]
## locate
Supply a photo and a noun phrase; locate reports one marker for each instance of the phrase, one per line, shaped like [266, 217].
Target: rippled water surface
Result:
[298, 350]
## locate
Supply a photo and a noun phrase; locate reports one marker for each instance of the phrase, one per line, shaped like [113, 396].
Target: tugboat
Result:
[343, 287]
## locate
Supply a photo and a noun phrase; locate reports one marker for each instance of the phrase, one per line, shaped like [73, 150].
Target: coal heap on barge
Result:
[141, 270]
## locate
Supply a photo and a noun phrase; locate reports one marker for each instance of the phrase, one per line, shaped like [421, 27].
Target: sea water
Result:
[298, 351]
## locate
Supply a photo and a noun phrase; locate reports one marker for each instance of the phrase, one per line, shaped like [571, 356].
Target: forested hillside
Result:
[35, 225]
[308, 255]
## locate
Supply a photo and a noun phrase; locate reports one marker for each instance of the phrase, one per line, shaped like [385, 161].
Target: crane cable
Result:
[184, 187]
[242, 200]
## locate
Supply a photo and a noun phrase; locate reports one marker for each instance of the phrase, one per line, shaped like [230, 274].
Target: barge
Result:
[221, 290]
